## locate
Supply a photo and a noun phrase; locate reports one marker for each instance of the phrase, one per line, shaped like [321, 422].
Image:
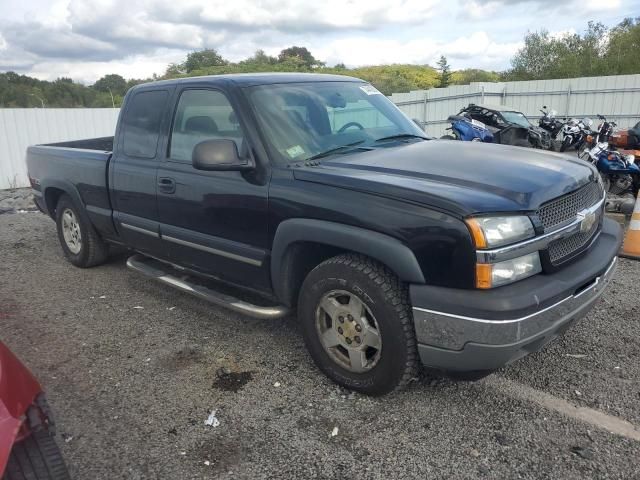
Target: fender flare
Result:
[387, 250]
[66, 187]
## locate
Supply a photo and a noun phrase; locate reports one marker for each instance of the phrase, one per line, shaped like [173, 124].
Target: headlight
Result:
[491, 232]
[490, 275]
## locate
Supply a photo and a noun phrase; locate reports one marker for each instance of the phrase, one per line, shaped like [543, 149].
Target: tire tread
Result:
[396, 293]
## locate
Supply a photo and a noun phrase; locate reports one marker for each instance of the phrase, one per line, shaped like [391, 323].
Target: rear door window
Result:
[141, 123]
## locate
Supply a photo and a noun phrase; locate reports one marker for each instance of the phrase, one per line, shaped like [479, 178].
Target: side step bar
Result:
[140, 263]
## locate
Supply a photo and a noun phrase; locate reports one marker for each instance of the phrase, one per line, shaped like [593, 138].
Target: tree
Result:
[468, 75]
[200, 59]
[299, 56]
[445, 72]
[113, 82]
[260, 58]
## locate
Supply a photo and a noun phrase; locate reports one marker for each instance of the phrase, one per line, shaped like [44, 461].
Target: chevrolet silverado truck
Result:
[267, 193]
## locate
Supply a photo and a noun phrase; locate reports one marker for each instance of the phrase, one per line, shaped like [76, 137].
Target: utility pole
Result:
[39, 98]
[113, 104]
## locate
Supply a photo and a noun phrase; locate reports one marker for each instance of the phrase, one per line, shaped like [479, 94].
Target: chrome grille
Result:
[564, 209]
[561, 249]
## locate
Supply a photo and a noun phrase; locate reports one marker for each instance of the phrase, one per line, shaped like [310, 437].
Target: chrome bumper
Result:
[452, 332]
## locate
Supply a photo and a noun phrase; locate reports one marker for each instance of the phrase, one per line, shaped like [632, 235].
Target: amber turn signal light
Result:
[483, 275]
[476, 233]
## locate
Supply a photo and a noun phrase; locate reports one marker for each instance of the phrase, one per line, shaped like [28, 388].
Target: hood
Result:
[460, 177]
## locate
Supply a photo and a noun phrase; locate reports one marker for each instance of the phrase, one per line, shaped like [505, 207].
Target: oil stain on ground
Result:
[231, 381]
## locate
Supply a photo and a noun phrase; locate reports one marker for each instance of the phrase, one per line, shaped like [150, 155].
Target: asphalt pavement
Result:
[134, 369]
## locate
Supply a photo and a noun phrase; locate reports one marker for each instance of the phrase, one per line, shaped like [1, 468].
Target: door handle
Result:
[167, 185]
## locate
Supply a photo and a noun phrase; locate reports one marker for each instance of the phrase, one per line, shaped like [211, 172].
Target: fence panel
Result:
[21, 127]
[616, 97]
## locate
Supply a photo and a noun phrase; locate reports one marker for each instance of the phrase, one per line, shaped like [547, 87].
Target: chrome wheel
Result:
[71, 231]
[348, 331]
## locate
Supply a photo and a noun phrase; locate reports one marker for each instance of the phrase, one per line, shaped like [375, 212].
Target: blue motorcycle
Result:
[620, 176]
[468, 130]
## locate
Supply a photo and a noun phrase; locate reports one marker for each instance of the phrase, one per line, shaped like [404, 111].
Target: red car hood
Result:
[18, 390]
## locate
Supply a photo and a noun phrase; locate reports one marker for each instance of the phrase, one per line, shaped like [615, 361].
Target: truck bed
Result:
[104, 144]
[80, 167]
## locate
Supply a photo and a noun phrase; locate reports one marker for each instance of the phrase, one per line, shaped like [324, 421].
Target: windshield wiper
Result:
[331, 151]
[400, 136]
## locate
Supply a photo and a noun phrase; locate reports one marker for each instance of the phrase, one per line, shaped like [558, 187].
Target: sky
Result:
[86, 39]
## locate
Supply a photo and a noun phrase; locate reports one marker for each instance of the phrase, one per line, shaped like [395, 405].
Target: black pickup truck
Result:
[315, 192]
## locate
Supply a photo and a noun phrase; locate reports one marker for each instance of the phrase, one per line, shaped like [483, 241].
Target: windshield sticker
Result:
[370, 90]
[295, 151]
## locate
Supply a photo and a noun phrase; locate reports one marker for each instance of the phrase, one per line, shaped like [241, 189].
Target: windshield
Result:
[305, 120]
[516, 117]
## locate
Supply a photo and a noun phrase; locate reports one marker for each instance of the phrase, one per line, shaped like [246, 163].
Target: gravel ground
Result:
[133, 369]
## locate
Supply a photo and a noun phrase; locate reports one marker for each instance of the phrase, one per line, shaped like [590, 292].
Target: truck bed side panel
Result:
[80, 173]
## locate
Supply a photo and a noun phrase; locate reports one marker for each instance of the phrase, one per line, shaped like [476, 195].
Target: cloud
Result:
[83, 38]
[296, 15]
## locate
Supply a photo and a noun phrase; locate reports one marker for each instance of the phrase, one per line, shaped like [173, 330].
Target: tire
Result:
[37, 457]
[384, 307]
[447, 137]
[565, 144]
[85, 248]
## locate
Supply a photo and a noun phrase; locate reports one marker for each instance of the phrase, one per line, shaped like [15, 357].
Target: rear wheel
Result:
[80, 242]
[357, 324]
[37, 457]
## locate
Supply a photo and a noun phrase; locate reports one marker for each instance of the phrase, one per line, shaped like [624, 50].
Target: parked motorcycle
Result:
[549, 122]
[574, 133]
[468, 130]
[620, 176]
[627, 139]
[605, 129]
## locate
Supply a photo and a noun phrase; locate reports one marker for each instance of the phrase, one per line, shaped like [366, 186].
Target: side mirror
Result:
[219, 154]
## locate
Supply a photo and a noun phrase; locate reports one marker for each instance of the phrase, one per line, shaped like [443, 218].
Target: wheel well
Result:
[51, 197]
[299, 260]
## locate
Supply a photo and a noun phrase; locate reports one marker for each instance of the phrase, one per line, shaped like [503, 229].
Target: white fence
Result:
[616, 97]
[21, 127]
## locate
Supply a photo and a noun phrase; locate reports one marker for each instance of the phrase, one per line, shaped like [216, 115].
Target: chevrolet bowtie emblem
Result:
[587, 220]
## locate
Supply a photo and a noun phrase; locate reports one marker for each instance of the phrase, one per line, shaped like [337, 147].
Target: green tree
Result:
[622, 50]
[445, 72]
[466, 76]
[200, 59]
[112, 83]
[299, 56]
[259, 58]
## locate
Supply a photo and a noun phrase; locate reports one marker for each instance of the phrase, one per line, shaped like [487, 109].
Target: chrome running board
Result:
[141, 264]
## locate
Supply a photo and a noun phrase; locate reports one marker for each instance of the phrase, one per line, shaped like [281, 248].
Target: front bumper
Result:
[471, 330]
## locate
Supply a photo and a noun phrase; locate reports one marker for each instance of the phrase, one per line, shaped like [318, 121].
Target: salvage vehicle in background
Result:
[27, 448]
[575, 133]
[316, 193]
[628, 139]
[508, 126]
[550, 123]
[468, 130]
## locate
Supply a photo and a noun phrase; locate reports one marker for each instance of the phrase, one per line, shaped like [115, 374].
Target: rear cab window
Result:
[142, 121]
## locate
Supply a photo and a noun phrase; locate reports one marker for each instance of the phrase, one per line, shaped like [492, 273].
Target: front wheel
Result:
[566, 142]
[357, 324]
